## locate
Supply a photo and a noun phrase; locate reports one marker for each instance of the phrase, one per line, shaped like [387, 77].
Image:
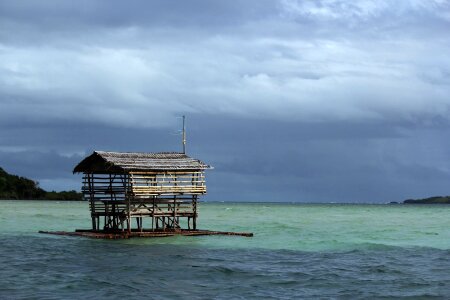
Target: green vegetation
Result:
[13, 187]
[431, 200]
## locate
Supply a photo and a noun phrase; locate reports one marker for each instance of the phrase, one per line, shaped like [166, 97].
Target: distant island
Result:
[13, 187]
[430, 200]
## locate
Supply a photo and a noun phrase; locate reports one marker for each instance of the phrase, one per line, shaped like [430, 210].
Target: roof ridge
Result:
[140, 161]
[139, 152]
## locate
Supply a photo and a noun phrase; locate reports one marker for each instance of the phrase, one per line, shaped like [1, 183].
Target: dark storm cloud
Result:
[68, 15]
[332, 162]
[50, 169]
[324, 100]
[37, 164]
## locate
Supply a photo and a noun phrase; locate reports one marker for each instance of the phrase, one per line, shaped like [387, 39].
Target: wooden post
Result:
[91, 199]
[153, 214]
[129, 207]
[174, 212]
[194, 220]
[129, 214]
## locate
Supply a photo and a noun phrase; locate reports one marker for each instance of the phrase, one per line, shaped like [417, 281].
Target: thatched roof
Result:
[111, 162]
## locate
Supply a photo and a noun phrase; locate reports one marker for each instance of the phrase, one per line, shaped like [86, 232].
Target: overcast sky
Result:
[290, 100]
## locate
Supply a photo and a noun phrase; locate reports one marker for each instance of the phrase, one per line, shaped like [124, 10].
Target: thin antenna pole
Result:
[184, 135]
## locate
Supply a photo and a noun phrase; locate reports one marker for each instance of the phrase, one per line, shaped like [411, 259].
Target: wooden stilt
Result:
[194, 219]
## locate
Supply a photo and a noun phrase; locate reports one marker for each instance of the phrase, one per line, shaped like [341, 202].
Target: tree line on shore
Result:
[13, 187]
[430, 200]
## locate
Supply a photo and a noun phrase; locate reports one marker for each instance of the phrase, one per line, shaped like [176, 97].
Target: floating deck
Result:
[125, 235]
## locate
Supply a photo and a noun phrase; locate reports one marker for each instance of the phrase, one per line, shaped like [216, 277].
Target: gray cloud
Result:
[341, 97]
[263, 64]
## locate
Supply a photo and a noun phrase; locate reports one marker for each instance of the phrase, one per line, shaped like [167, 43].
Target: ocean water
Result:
[309, 251]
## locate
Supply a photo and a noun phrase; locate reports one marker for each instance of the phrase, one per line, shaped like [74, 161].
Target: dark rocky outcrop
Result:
[430, 200]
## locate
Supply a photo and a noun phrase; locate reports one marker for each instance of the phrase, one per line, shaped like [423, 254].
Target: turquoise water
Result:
[298, 251]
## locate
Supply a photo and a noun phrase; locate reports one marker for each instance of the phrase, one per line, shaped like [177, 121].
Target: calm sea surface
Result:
[298, 251]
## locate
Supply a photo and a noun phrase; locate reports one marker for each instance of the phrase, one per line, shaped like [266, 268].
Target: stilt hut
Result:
[132, 191]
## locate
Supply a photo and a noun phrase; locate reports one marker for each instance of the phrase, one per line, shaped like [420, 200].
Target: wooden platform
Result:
[142, 234]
